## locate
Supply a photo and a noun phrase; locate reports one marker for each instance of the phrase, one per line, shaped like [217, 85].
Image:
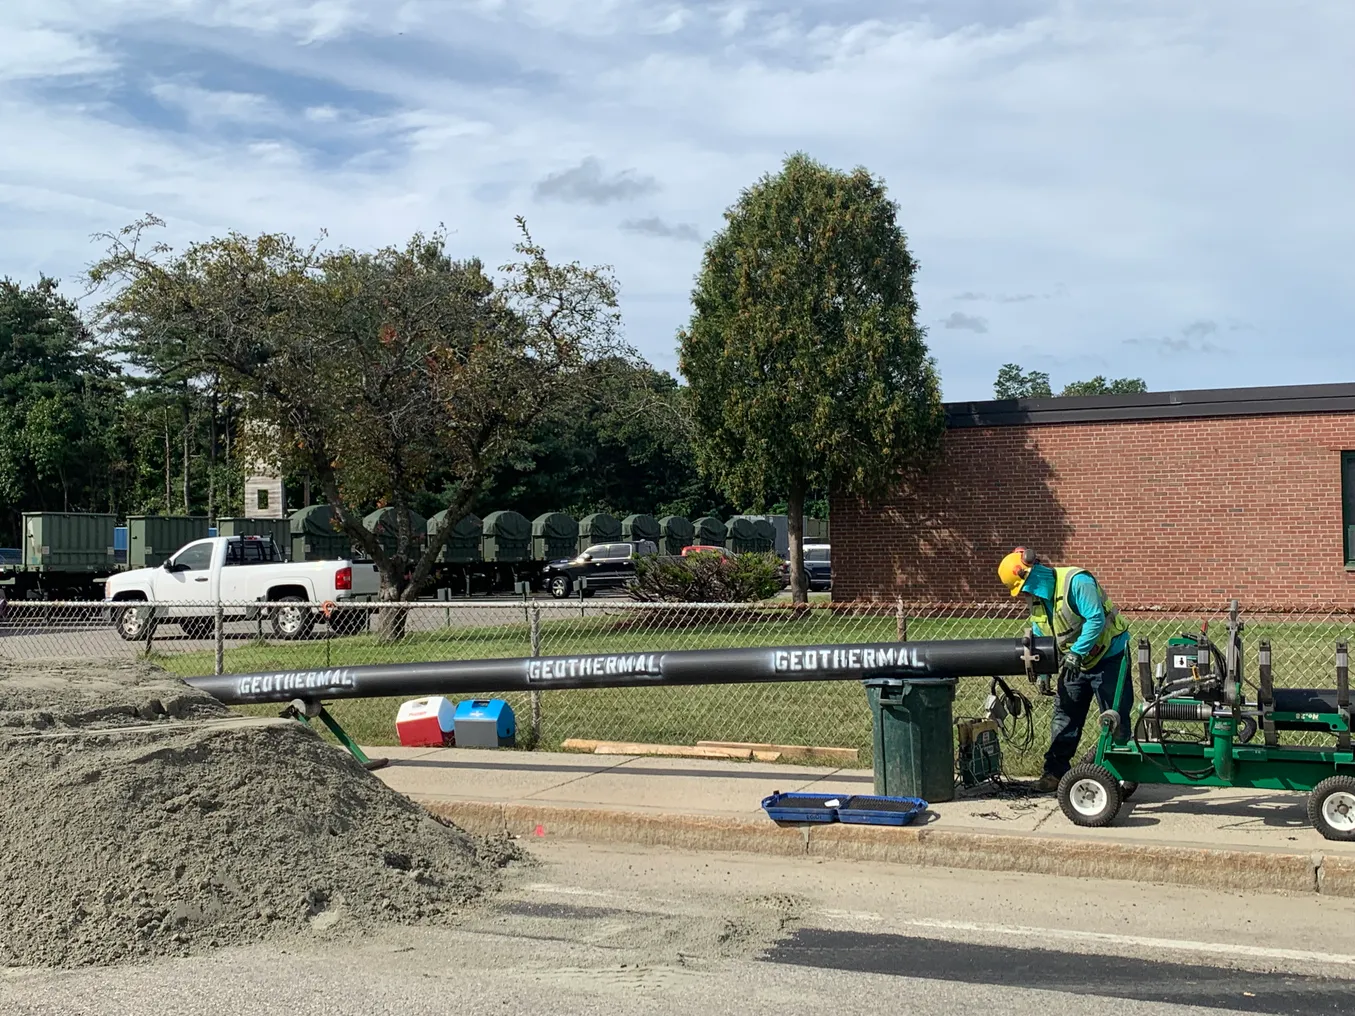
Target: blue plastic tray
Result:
[802, 807]
[866, 809]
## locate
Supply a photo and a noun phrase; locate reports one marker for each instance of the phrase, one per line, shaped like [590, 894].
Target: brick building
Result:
[1188, 497]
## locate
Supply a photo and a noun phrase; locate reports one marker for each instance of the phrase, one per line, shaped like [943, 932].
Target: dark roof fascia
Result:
[1287, 399]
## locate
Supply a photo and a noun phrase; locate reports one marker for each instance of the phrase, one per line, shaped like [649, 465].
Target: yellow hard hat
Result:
[1014, 569]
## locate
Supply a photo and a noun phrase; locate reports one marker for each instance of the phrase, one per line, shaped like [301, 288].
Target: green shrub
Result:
[707, 577]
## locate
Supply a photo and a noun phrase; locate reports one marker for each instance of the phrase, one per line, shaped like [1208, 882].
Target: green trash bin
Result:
[914, 736]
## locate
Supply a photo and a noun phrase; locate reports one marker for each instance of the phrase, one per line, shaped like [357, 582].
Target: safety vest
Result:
[1067, 623]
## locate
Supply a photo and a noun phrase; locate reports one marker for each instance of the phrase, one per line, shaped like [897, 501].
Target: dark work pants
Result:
[1070, 710]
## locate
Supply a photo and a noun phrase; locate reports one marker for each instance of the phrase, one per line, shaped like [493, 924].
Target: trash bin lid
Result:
[896, 682]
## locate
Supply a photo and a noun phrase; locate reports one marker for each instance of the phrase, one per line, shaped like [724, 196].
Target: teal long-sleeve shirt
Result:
[1086, 601]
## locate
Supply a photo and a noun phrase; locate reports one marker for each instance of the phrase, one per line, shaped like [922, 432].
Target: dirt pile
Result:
[139, 818]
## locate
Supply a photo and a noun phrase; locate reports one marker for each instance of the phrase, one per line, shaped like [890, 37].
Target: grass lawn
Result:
[820, 713]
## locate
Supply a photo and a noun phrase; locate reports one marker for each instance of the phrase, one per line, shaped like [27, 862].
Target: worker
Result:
[1092, 640]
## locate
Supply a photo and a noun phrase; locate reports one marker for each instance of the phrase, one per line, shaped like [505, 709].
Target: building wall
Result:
[276, 506]
[1188, 512]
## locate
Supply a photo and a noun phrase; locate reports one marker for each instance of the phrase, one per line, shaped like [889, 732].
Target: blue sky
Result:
[1146, 188]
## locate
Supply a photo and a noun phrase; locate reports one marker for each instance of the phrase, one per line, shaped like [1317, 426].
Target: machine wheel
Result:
[1127, 787]
[198, 628]
[1331, 808]
[290, 620]
[558, 586]
[1090, 796]
[132, 620]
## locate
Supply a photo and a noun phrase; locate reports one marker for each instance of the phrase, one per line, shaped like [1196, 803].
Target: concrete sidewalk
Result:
[1234, 839]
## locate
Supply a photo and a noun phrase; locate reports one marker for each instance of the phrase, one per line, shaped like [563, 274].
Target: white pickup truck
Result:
[237, 571]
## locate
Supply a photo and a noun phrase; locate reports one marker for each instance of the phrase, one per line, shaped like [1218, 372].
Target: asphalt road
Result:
[84, 633]
[607, 931]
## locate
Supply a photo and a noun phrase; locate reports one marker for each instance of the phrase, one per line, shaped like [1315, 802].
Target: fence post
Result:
[150, 627]
[536, 694]
[900, 621]
[220, 637]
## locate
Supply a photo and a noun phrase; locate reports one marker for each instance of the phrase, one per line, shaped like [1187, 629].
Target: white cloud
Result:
[205, 106]
[48, 53]
[1152, 165]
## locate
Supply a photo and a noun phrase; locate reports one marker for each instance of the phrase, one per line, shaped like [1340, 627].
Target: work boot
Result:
[1047, 784]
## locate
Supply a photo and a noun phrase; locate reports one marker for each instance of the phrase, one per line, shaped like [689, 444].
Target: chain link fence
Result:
[205, 638]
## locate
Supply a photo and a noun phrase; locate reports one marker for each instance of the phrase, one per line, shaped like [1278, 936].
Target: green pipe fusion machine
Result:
[1232, 735]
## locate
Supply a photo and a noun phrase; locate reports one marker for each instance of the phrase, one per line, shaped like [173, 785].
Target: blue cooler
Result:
[484, 723]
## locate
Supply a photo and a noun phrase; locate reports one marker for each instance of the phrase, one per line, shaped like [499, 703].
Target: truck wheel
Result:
[290, 619]
[1090, 796]
[1331, 808]
[135, 622]
[198, 628]
[558, 586]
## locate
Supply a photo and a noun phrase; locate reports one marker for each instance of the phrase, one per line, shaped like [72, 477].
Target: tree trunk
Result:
[393, 615]
[187, 426]
[229, 425]
[211, 456]
[795, 528]
[169, 470]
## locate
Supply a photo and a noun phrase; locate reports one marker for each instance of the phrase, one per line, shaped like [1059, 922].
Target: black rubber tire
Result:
[198, 628]
[280, 610]
[131, 618]
[1127, 787]
[1075, 780]
[558, 586]
[1317, 800]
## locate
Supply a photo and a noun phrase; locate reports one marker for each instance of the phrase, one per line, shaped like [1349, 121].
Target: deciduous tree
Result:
[1011, 383]
[58, 404]
[808, 369]
[376, 370]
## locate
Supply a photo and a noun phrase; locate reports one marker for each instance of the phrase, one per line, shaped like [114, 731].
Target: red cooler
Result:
[426, 723]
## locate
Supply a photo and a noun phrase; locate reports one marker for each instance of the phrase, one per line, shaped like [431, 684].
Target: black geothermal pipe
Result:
[941, 659]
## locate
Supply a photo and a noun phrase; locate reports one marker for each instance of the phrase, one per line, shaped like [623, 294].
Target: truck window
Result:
[816, 555]
[251, 552]
[197, 557]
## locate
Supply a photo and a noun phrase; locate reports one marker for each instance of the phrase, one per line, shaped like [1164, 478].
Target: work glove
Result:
[1070, 666]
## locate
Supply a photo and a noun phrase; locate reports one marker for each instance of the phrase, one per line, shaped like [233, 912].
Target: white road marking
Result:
[1066, 934]
[565, 890]
[850, 915]
[1022, 931]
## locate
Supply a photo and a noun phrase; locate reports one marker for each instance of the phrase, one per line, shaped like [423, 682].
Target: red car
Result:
[704, 548]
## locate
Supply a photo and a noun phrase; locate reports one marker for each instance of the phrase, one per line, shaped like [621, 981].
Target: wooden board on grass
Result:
[788, 750]
[676, 750]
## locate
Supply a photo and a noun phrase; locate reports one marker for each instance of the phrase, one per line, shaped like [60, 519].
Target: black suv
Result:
[601, 566]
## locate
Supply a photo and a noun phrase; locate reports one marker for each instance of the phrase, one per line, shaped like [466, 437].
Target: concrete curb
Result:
[1202, 867]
